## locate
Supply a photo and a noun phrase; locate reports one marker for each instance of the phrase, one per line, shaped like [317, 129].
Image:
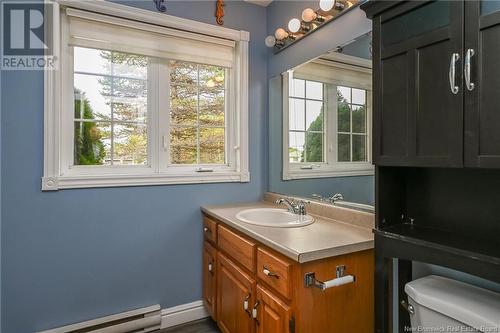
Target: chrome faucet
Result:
[336, 197]
[332, 199]
[298, 207]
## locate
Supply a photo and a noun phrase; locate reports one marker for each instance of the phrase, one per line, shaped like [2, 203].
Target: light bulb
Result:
[270, 41]
[309, 15]
[326, 5]
[294, 25]
[280, 34]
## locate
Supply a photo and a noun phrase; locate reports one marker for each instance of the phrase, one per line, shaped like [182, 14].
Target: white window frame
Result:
[58, 172]
[330, 167]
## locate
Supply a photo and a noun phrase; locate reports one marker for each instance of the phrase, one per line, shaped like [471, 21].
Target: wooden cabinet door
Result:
[418, 119]
[210, 279]
[273, 315]
[234, 286]
[482, 99]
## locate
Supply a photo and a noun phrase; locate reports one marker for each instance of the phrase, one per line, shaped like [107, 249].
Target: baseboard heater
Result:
[140, 320]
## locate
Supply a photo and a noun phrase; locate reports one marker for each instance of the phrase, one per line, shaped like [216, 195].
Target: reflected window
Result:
[351, 125]
[306, 121]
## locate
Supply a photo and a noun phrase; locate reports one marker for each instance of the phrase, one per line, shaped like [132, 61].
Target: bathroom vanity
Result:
[269, 280]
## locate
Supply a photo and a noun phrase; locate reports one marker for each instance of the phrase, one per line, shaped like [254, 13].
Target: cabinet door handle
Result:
[453, 61]
[267, 272]
[207, 230]
[468, 55]
[254, 311]
[210, 268]
[245, 304]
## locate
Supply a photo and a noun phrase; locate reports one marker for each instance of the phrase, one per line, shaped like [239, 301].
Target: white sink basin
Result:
[274, 217]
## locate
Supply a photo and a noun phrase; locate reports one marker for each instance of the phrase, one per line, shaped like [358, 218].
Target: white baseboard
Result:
[183, 313]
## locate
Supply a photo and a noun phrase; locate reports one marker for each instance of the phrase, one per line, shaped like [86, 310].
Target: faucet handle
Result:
[301, 207]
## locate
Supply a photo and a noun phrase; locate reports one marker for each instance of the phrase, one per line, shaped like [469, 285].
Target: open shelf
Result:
[478, 249]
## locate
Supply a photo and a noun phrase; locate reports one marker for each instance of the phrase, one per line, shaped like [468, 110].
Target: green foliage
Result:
[89, 148]
[314, 141]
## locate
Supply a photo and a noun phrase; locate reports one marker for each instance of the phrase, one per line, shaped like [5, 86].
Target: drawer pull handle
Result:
[267, 272]
[210, 267]
[341, 279]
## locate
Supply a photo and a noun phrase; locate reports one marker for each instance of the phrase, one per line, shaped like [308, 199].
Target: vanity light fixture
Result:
[294, 25]
[311, 21]
[309, 16]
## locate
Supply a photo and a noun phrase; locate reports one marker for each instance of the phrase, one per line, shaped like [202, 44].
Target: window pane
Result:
[128, 65]
[212, 146]
[314, 90]
[212, 77]
[358, 119]
[126, 88]
[297, 88]
[358, 96]
[183, 72]
[130, 110]
[212, 106]
[183, 148]
[296, 146]
[359, 148]
[91, 61]
[344, 148]
[344, 94]
[314, 115]
[96, 105]
[92, 143]
[314, 147]
[343, 117]
[130, 144]
[183, 104]
[297, 114]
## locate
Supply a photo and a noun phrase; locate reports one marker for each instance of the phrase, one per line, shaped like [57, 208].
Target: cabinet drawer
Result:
[274, 271]
[210, 229]
[238, 247]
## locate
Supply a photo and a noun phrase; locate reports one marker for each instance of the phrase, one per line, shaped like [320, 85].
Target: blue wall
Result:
[75, 255]
[343, 29]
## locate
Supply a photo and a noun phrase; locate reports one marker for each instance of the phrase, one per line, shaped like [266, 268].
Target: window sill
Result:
[91, 181]
[307, 174]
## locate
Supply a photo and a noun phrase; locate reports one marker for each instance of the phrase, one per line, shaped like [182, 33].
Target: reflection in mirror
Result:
[320, 123]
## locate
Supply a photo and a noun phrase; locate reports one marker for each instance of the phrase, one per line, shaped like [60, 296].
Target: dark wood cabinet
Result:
[436, 80]
[482, 47]
[418, 117]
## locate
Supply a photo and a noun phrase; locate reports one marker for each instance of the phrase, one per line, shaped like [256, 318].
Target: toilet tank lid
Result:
[471, 305]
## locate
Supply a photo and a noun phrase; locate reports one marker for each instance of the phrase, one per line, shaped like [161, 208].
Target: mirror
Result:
[320, 128]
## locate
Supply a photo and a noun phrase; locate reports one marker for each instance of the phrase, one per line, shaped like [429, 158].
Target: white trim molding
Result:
[182, 314]
[58, 171]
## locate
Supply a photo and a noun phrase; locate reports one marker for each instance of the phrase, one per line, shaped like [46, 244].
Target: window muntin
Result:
[352, 126]
[197, 114]
[110, 108]
[306, 121]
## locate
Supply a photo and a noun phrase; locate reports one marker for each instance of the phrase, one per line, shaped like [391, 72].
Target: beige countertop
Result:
[324, 238]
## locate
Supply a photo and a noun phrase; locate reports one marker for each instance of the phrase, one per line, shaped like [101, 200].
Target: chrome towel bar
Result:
[341, 279]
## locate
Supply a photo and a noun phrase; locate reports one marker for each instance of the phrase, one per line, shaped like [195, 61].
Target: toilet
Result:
[439, 304]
